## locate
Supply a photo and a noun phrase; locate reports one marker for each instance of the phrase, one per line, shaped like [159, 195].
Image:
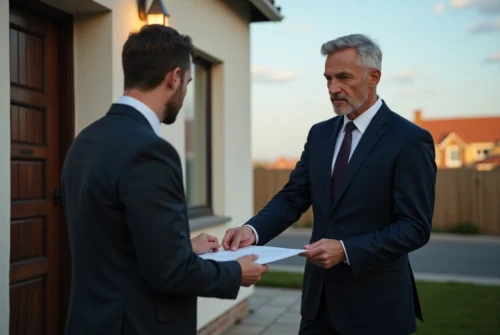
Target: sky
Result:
[442, 57]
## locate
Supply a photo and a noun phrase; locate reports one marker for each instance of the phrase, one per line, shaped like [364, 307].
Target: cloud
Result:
[411, 74]
[486, 7]
[493, 58]
[461, 3]
[485, 26]
[432, 90]
[267, 75]
[438, 7]
[404, 76]
[404, 90]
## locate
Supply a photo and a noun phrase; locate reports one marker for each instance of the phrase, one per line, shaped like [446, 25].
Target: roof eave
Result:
[267, 10]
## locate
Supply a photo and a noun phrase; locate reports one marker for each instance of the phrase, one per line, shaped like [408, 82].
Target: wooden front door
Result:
[35, 172]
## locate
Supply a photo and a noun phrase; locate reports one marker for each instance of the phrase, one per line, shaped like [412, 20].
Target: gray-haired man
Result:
[370, 176]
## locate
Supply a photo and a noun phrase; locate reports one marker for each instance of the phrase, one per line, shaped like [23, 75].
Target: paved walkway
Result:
[272, 312]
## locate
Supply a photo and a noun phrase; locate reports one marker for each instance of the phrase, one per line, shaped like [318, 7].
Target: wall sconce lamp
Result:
[156, 13]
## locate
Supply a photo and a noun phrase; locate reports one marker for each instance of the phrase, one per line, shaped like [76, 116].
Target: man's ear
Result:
[173, 78]
[374, 78]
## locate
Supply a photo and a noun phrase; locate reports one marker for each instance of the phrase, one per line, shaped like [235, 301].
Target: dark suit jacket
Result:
[382, 212]
[133, 269]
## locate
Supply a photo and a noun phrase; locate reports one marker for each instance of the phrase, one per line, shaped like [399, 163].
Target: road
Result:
[450, 256]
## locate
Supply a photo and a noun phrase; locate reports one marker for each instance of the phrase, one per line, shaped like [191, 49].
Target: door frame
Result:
[64, 23]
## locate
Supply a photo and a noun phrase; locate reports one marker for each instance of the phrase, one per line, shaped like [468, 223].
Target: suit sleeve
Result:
[413, 207]
[151, 190]
[286, 207]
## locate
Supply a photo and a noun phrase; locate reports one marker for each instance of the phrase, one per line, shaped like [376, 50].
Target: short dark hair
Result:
[149, 54]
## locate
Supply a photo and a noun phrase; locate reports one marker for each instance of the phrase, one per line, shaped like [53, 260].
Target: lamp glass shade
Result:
[157, 19]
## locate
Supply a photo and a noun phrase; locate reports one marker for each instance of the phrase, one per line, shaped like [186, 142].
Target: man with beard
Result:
[370, 176]
[135, 270]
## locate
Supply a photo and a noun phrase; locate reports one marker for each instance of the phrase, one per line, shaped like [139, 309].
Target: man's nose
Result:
[333, 88]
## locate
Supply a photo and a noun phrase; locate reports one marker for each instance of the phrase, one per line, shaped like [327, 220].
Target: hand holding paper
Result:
[251, 271]
[204, 242]
[265, 254]
[238, 237]
[325, 253]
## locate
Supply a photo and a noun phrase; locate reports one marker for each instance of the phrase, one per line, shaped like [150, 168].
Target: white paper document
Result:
[266, 254]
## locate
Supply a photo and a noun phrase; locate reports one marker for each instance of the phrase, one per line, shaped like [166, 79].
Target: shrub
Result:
[467, 228]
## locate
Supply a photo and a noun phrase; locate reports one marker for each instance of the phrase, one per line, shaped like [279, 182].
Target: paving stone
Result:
[267, 292]
[258, 301]
[282, 330]
[292, 292]
[289, 318]
[283, 300]
[295, 307]
[270, 311]
[242, 329]
[260, 319]
[273, 312]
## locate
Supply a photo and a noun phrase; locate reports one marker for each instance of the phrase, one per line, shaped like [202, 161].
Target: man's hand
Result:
[325, 253]
[238, 238]
[251, 272]
[204, 242]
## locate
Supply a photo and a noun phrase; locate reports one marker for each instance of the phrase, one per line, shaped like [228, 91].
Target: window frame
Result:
[453, 163]
[199, 211]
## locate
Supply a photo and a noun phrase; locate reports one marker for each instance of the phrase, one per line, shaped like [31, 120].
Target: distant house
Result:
[490, 163]
[283, 163]
[462, 142]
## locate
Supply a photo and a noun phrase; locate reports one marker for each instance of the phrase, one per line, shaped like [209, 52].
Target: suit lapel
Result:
[371, 136]
[327, 157]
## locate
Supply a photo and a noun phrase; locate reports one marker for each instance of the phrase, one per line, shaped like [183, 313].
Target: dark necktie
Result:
[342, 158]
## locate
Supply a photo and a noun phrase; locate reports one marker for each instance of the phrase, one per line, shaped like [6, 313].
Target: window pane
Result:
[455, 155]
[196, 113]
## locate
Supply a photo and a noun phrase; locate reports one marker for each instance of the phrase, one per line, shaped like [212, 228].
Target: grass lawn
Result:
[449, 308]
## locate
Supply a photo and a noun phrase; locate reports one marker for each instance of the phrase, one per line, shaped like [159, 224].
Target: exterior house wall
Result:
[479, 151]
[218, 31]
[439, 155]
[470, 152]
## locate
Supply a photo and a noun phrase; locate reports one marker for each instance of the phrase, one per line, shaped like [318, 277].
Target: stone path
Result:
[272, 312]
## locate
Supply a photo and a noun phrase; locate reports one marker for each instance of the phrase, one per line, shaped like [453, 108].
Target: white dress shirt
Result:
[361, 123]
[152, 118]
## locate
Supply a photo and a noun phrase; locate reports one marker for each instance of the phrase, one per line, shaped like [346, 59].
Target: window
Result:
[197, 113]
[453, 156]
[482, 153]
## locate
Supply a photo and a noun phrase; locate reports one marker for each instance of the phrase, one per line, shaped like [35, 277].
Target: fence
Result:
[462, 196]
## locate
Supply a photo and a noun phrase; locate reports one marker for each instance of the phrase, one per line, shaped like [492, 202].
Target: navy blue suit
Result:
[383, 210]
[133, 268]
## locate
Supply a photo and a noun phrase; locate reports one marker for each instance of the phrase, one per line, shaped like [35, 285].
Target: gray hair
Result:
[369, 52]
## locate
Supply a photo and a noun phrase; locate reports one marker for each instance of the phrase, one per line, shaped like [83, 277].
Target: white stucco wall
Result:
[4, 167]
[98, 39]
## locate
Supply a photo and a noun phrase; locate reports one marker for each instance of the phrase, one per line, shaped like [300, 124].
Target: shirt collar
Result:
[362, 121]
[144, 110]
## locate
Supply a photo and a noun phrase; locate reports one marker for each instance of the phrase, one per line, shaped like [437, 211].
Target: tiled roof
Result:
[490, 160]
[283, 163]
[474, 129]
